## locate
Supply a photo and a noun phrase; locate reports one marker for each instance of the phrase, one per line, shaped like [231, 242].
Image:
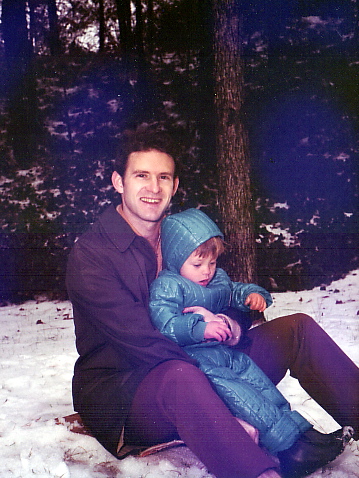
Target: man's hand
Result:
[217, 330]
[256, 302]
[207, 315]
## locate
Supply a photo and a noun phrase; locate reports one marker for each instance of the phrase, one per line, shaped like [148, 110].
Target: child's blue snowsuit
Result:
[242, 385]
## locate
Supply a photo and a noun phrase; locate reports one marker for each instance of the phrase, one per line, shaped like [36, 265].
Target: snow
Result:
[37, 354]
[277, 230]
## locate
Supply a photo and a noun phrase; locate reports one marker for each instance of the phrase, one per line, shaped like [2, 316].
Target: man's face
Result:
[147, 186]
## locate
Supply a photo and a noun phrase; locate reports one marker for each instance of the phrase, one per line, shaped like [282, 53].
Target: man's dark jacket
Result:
[109, 272]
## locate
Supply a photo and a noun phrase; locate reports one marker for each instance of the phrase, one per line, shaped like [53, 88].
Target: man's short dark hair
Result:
[144, 139]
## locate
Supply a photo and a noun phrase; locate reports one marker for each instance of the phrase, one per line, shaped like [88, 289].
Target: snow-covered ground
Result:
[37, 354]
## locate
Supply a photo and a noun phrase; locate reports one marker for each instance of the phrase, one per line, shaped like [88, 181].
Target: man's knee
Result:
[300, 320]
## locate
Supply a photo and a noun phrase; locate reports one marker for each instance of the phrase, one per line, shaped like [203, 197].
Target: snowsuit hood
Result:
[182, 233]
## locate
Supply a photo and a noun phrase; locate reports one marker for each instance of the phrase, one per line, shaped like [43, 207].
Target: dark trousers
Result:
[175, 400]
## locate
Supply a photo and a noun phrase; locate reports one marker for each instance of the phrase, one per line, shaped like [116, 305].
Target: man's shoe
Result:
[313, 450]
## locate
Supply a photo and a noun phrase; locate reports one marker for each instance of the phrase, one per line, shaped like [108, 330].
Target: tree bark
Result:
[232, 144]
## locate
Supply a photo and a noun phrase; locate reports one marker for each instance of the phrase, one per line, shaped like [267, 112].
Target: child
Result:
[185, 300]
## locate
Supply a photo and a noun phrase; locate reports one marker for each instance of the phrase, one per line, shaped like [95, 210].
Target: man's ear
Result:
[175, 185]
[117, 182]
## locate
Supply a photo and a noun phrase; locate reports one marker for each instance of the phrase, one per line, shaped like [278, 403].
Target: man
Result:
[132, 386]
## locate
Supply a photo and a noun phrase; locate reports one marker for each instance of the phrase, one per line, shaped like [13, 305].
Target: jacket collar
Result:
[120, 233]
[117, 229]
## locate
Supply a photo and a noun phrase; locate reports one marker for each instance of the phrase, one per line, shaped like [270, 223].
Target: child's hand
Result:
[217, 330]
[197, 309]
[256, 302]
[252, 432]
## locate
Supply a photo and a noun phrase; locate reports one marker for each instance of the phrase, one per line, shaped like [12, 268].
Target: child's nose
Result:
[206, 270]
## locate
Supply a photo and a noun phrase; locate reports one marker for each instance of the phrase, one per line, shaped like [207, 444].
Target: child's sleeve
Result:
[240, 292]
[166, 305]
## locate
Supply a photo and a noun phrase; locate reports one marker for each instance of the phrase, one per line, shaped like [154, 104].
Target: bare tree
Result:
[232, 145]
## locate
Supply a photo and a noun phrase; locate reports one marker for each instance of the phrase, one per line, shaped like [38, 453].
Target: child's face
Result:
[199, 269]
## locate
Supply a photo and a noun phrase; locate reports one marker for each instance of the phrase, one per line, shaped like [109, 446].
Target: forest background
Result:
[77, 73]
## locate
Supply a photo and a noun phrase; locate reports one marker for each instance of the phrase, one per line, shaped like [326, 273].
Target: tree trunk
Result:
[54, 37]
[356, 24]
[101, 21]
[139, 29]
[20, 85]
[145, 92]
[124, 22]
[32, 24]
[150, 28]
[232, 144]
[15, 34]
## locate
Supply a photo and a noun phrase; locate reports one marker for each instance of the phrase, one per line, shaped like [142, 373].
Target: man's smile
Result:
[150, 200]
